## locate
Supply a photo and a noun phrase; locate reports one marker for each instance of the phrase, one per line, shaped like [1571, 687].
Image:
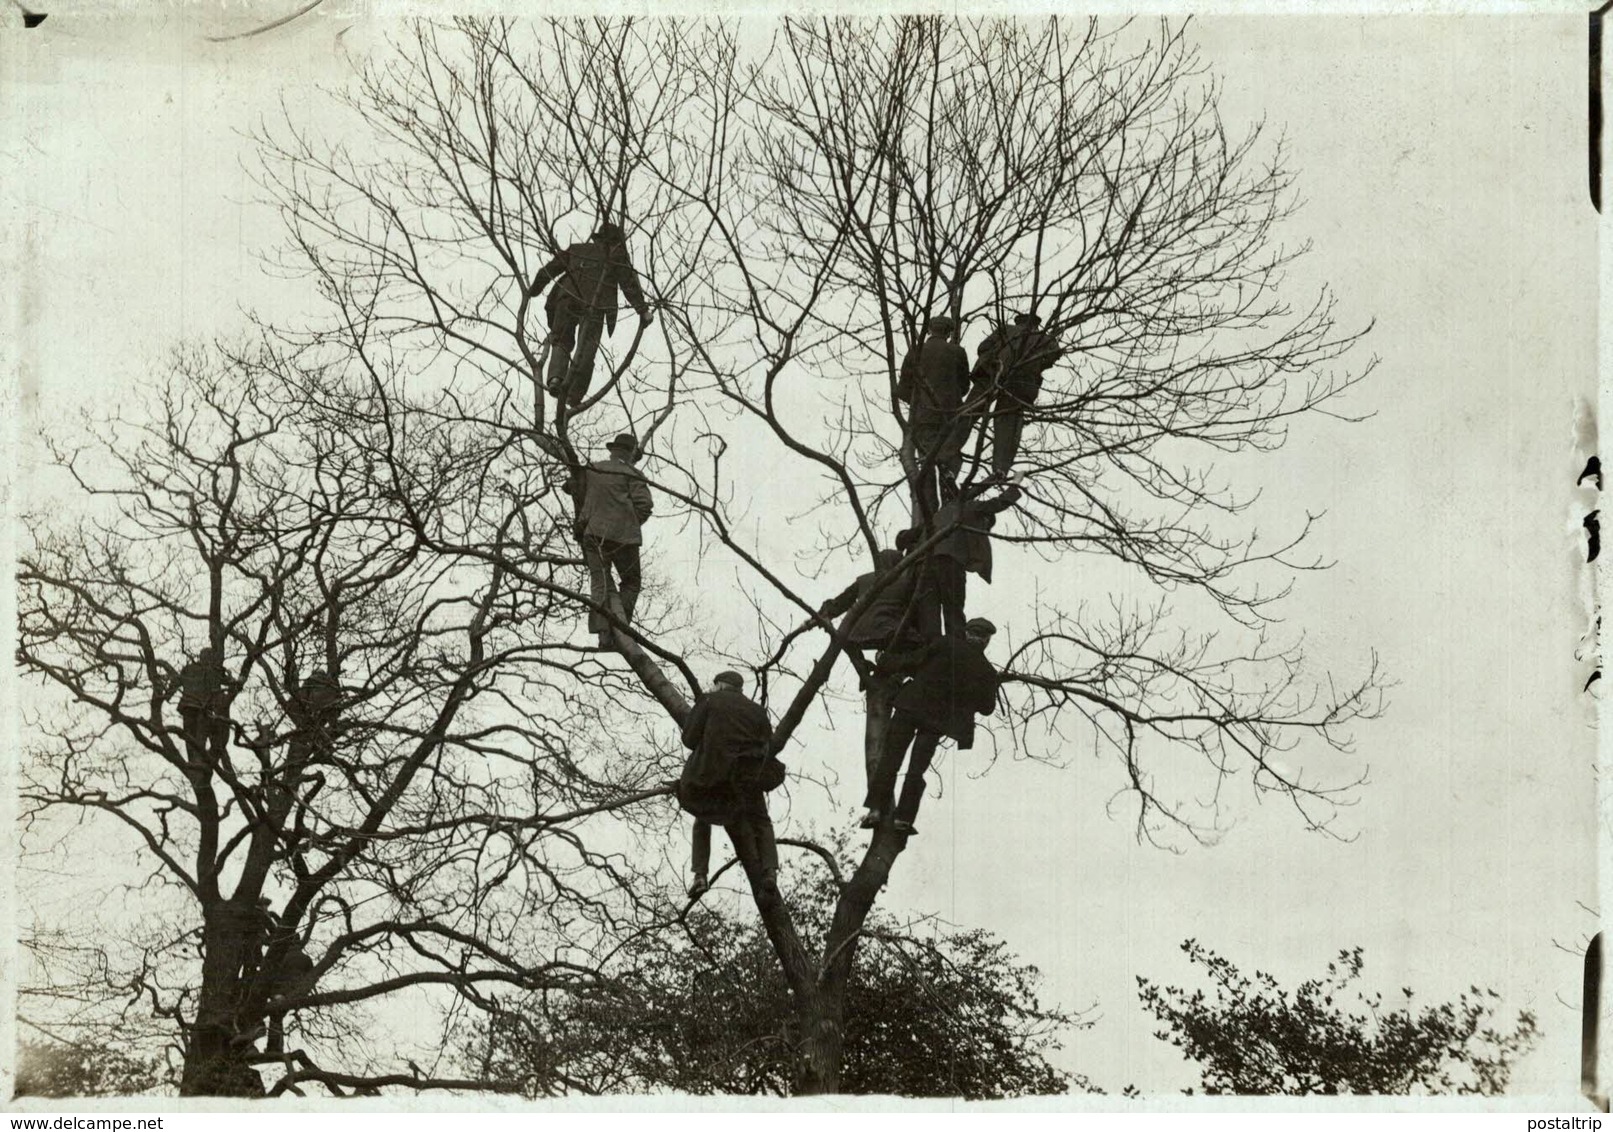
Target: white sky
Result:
[1443, 165]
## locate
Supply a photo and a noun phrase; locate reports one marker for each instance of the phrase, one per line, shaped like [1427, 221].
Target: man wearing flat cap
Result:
[952, 683]
[613, 500]
[934, 382]
[582, 306]
[724, 781]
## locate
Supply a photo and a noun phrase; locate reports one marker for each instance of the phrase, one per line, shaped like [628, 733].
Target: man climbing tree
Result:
[613, 502]
[935, 383]
[1012, 361]
[582, 307]
[952, 682]
[725, 780]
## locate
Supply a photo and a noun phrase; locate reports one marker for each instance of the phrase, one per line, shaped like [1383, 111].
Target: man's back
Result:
[936, 376]
[593, 271]
[725, 725]
[952, 682]
[1023, 351]
[615, 501]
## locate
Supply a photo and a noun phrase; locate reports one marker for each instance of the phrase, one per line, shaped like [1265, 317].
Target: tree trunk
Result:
[215, 1061]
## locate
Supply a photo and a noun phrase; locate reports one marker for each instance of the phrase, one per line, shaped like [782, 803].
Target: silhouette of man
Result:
[583, 305]
[964, 549]
[952, 683]
[934, 382]
[204, 706]
[613, 503]
[1015, 358]
[724, 780]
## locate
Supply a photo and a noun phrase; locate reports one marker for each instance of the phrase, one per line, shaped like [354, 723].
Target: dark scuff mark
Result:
[1595, 109]
[1593, 472]
[1590, 1016]
[1593, 535]
[29, 19]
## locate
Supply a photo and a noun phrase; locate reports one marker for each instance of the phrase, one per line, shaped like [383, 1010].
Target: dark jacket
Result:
[724, 727]
[970, 542]
[1017, 356]
[204, 686]
[952, 683]
[614, 501]
[590, 274]
[878, 625]
[934, 379]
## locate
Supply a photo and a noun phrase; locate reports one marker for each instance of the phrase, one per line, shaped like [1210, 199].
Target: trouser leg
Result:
[589, 329]
[951, 588]
[949, 456]
[751, 831]
[625, 557]
[926, 452]
[195, 735]
[924, 744]
[1006, 430]
[562, 339]
[599, 587]
[700, 853]
[881, 690]
[903, 726]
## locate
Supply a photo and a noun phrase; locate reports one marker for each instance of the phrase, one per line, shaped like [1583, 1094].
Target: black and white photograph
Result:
[969, 558]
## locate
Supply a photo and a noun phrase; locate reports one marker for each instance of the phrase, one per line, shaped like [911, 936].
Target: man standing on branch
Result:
[952, 683]
[724, 782]
[582, 306]
[934, 381]
[891, 621]
[204, 706]
[1014, 358]
[964, 549]
[613, 500]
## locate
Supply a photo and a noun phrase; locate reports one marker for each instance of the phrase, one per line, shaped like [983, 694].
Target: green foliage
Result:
[954, 1014]
[55, 1069]
[1253, 1037]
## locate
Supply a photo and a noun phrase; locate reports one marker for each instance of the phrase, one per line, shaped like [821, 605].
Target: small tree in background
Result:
[1253, 1037]
[59, 1069]
[943, 1013]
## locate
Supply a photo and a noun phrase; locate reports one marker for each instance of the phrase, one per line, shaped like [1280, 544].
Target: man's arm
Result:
[1010, 496]
[908, 376]
[551, 271]
[841, 602]
[626, 277]
[694, 729]
[638, 493]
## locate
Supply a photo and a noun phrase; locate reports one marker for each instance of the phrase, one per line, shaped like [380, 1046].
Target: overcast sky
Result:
[1442, 161]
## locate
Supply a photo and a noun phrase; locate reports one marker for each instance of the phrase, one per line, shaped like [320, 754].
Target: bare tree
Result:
[798, 206]
[418, 833]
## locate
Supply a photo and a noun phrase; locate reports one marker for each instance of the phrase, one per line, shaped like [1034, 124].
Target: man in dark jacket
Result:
[204, 706]
[934, 382]
[952, 683]
[891, 621]
[313, 711]
[729, 738]
[583, 305]
[613, 500]
[964, 549]
[1014, 358]
[888, 619]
